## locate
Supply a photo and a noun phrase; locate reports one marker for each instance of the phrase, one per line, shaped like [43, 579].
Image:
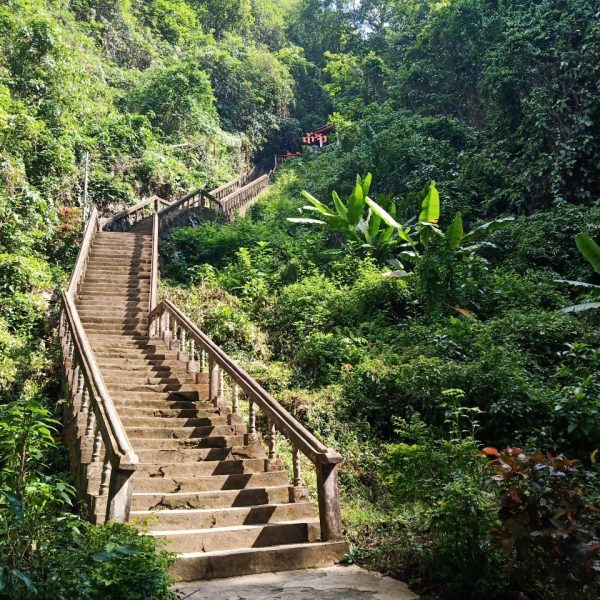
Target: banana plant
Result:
[591, 252]
[367, 222]
[358, 218]
[454, 241]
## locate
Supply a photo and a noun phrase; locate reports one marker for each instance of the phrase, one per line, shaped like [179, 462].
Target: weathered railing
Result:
[124, 220]
[231, 186]
[242, 196]
[196, 199]
[97, 441]
[202, 355]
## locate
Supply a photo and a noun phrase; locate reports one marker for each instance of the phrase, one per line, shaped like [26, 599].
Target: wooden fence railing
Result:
[125, 219]
[227, 380]
[104, 458]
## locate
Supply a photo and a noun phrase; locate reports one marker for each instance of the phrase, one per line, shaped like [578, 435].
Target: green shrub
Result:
[548, 523]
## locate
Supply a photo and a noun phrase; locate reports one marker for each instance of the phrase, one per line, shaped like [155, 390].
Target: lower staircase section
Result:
[203, 482]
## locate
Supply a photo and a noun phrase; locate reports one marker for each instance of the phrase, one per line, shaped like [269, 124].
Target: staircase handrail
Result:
[244, 194]
[98, 408]
[154, 263]
[168, 322]
[118, 221]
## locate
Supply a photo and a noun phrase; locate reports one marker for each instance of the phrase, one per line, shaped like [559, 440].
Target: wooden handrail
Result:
[123, 216]
[84, 379]
[154, 263]
[91, 228]
[244, 194]
[168, 322]
[121, 449]
[315, 450]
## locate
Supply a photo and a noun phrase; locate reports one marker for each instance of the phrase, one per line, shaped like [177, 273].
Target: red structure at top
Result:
[318, 137]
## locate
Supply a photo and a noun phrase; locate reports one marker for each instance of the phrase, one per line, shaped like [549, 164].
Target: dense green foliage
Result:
[470, 342]
[162, 96]
[407, 389]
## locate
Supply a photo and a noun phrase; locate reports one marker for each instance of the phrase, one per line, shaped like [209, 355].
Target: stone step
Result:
[157, 399]
[123, 255]
[240, 536]
[103, 295]
[160, 422]
[108, 319]
[193, 566]
[108, 268]
[210, 483]
[214, 499]
[216, 441]
[174, 433]
[157, 387]
[122, 376]
[116, 278]
[111, 311]
[91, 302]
[200, 410]
[110, 329]
[138, 366]
[233, 466]
[200, 454]
[195, 518]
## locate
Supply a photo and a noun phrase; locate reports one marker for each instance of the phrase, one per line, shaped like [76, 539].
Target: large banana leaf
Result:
[589, 249]
[324, 210]
[339, 205]
[430, 208]
[305, 220]
[356, 203]
[454, 233]
[576, 308]
[488, 227]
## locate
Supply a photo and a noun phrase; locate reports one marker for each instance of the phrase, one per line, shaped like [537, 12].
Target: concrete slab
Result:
[331, 583]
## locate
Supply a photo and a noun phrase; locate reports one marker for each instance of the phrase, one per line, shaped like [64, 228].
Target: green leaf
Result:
[583, 284]
[385, 216]
[454, 233]
[15, 505]
[589, 249]
[324, 210]
[366, 184]
[356, 204]
[577, 308]
[430, 207]
[102, 556]
[128, 549]
[25, 579]
[339, 205]
[374, 223]
[305, 220]
[397, 274]
[387, 234]
[488, 227]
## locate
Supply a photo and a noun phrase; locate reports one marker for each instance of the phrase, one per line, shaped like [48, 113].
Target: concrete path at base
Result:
[331, 583]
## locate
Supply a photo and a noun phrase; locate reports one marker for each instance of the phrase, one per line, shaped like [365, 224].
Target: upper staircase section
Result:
[164, 428]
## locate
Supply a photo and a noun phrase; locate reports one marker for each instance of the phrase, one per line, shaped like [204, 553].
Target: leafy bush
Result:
[47, 552]
[548, 523]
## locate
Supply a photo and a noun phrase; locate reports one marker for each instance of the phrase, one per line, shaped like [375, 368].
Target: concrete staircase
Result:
[203, 484]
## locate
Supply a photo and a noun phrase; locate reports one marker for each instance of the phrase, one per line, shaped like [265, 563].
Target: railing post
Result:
[215, 388]
[119, 493]
[329, 502]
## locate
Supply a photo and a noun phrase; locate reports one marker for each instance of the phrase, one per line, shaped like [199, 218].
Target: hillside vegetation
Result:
[431, 347]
